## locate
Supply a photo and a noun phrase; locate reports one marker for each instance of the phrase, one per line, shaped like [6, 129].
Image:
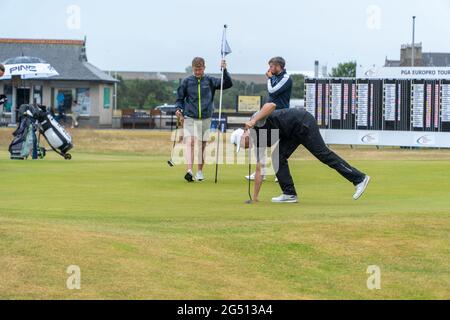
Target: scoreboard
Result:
[367, 104]
[398, 105]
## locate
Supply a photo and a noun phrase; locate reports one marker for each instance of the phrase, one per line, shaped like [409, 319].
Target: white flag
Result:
[226, 50]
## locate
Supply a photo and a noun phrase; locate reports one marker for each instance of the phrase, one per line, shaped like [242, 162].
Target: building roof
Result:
[68, 57]
[392, 63]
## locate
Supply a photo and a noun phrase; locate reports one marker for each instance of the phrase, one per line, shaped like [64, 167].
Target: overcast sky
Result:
[164, 35]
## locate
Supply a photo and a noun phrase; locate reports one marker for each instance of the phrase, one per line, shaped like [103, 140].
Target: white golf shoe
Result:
[360, 188]
[199, 176]
[252, 177]
[285, 199]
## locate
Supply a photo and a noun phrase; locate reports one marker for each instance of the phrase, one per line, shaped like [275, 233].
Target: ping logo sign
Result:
[23, 67]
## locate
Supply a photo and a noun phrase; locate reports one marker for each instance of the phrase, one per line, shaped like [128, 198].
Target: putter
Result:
[170, 162]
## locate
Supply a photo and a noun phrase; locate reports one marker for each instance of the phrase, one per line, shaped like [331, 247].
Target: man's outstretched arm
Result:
[266, 111]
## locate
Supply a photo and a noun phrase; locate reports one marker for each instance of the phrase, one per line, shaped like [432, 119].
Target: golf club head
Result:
[170, 163]
[249, 202]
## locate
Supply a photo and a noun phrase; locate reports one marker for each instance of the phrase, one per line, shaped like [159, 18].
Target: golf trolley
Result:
[66, 156]
[32, 119]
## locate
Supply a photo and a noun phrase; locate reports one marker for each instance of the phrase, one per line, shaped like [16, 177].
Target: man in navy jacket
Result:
[195, 107]
[279, 86]
[279, 83]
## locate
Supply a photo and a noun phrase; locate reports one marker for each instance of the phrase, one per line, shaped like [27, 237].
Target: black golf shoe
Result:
[189, 177]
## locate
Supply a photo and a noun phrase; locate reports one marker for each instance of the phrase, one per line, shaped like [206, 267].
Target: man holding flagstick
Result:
[195, 107]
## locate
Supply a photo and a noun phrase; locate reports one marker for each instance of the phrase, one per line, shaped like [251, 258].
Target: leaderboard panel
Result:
[368, 105]
[395, 105]
[426, 106]
[403, 105]
[391, 107]
[336, 105]
[376, 105]
[362, 114]
[323, 104]
[349, 102]
[343, 104]
[445, 106]
[311, 96]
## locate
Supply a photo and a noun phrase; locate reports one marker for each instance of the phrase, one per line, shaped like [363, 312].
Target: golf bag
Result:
[55, 134]
[25, 142]
[33, 118]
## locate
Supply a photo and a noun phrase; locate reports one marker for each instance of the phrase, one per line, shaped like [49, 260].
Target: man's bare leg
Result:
[190, 147]
[201, 163]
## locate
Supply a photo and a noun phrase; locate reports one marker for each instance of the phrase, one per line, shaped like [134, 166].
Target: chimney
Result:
[83, 56]
[316, 69]
[325, 71]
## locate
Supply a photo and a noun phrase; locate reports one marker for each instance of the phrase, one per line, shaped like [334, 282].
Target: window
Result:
[84, 101]
[106, 98]
[64, 99]
[8, 89]
[37, 94]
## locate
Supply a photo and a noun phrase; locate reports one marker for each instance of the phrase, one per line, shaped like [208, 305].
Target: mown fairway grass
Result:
[138, 231]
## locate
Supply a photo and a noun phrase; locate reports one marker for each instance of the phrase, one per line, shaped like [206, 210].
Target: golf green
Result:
[137, 230]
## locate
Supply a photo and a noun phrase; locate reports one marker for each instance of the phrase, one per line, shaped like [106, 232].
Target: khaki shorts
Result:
[197, 128]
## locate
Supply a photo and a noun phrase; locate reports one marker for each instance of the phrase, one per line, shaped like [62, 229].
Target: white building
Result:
[78, 80]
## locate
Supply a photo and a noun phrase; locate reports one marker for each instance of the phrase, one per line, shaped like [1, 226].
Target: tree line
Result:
[148, 94]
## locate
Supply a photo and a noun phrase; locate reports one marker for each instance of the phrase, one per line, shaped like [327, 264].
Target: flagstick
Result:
[220, 111]
[219, 127]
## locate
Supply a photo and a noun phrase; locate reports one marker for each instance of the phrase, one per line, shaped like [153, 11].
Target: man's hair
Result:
[279, 61]
[2, 68]
[198, 62]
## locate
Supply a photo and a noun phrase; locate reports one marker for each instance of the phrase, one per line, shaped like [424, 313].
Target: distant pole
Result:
[115, 92]
[413, 41]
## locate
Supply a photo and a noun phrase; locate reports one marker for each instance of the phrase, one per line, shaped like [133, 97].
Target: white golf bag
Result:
[55, 134]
